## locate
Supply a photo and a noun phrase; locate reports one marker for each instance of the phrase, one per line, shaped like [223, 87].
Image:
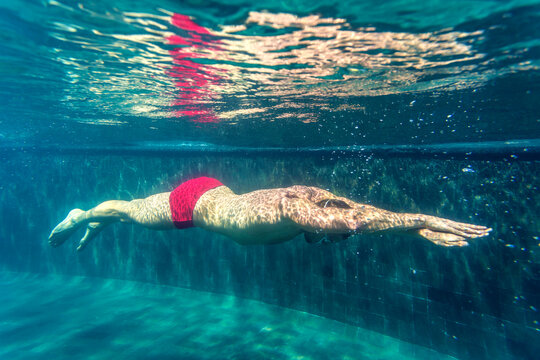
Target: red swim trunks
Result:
[184, 198]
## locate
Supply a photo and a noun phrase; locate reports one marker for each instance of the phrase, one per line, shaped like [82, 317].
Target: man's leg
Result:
[107, 212]
[92, 230]
[153, 212]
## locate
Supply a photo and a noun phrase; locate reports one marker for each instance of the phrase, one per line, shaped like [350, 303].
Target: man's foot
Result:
[92, 229]
[64, 230]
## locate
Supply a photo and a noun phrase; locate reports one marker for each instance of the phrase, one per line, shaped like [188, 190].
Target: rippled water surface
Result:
[300, 73]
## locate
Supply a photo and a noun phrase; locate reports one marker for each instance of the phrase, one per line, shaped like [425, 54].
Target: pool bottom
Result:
[58, 317]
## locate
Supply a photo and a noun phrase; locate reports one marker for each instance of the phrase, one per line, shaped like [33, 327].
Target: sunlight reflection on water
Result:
[268, 55]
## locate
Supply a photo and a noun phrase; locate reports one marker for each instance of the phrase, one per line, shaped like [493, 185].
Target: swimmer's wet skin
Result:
[261, 217]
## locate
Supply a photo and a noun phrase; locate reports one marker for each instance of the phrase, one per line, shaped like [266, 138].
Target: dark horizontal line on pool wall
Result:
[511, 150]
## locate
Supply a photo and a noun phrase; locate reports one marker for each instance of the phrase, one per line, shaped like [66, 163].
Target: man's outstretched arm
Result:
[362, 219]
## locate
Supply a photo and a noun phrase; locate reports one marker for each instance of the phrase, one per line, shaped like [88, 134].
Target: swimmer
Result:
[261, 217]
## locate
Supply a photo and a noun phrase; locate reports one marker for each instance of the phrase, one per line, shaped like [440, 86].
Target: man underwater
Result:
[266, 216]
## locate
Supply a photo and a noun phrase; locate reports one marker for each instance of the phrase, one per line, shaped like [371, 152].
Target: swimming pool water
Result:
[101, 319]
[293, 74]
[425, 106]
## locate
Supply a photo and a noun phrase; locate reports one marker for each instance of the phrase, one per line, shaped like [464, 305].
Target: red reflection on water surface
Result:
[193, 79]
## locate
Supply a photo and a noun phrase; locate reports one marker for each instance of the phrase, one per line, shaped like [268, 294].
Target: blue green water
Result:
[294, 73]
[139, 321]
[425, 106]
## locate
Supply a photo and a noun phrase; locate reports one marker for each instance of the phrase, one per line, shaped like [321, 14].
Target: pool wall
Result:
[476, 302]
